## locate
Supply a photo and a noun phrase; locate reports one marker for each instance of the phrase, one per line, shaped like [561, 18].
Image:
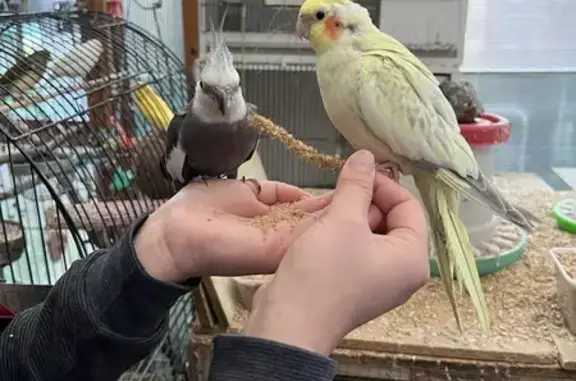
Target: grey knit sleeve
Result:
[103, 315]
[243, 358]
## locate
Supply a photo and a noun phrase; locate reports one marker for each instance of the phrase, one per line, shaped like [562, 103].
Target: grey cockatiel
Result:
[212, 136]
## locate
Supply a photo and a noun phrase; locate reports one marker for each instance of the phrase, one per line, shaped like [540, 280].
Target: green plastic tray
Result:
[565, 222]
[493, 263]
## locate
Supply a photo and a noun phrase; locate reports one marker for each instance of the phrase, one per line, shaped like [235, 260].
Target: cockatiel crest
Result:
[218, 95]
[218, 64]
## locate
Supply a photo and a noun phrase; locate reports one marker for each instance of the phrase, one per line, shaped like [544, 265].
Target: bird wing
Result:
[403, 107]
[412, 116]
[175, 159]
[251, 154]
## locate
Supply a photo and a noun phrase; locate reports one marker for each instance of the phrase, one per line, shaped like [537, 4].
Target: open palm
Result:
[206, 231]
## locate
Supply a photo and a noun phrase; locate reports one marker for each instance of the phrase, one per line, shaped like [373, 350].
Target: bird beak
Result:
[223, 103]
[301, 27]
[224, 99]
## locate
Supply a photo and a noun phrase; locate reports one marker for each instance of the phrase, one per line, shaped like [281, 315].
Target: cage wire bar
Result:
[81, 133]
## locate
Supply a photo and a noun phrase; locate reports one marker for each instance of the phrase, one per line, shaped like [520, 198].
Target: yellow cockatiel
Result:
[383, 98]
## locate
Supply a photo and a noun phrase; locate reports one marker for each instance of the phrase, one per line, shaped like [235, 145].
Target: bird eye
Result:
[320, 15]
[202, 86]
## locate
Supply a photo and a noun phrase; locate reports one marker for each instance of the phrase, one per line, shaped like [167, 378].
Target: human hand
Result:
[338, 274]
[200, 230]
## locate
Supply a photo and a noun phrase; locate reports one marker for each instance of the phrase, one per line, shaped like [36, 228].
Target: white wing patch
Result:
[175, 163]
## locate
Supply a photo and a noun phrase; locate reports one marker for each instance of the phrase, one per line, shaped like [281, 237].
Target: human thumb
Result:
[355, 185]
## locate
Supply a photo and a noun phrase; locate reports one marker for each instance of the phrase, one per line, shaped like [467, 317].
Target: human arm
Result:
[109, 310]
[103, 315]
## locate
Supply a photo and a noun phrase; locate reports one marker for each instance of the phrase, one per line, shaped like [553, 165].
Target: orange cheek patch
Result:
[333, 28]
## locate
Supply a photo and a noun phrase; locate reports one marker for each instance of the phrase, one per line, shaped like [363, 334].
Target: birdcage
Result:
[277, 68]
[85, 99]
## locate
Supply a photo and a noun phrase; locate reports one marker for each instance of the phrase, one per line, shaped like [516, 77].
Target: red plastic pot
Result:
[489, 129]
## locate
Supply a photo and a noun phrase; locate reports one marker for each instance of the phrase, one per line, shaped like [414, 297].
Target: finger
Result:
[311, 205]
[403, 212]
[355, 186]
[388, 193]
[273, 192]
[375, 217]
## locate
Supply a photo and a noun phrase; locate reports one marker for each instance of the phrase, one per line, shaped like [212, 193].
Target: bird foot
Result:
[390, 168]
[255, 182]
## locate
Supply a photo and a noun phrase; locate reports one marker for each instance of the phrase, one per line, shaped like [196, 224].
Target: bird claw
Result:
[255, 182]
[205, 179]
[391, 169]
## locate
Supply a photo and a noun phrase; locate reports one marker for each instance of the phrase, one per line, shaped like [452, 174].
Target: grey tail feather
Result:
[485, 192]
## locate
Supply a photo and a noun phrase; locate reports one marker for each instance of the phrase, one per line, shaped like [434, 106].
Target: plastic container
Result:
[565, 214]
[566, 285]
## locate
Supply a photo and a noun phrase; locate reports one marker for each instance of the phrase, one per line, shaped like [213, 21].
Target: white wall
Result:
[169, 17]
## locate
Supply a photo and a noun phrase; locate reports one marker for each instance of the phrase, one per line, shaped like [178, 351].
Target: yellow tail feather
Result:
[458, 245]
[453, 250]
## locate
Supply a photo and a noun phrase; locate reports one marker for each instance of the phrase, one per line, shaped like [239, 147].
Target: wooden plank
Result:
[221, 294]
[370, 365]
[567, 352]
[544, 353]
[204, 316]
[396, 367]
